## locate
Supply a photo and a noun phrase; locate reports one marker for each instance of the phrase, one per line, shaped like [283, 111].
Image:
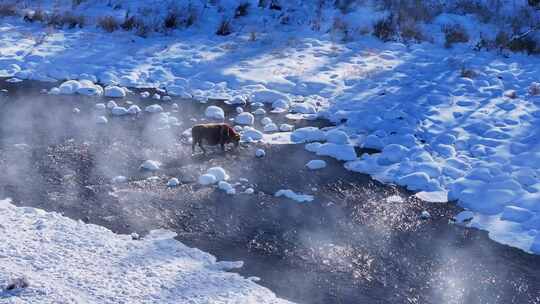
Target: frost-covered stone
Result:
[260, 153]
[337, 137]
[119, 111]
[134, 109]
[286, 127]
[101, 120]
[307, 134]
[251, 134]
[219, 173]
[271, 127]
[154, 108]
[173, 182]
[207, 179]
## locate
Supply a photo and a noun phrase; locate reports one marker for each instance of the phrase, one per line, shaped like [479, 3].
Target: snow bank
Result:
[307, 134]
[294, 196]
[72, 261]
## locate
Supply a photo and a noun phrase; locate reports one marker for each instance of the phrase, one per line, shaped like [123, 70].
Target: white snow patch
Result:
[294, 196]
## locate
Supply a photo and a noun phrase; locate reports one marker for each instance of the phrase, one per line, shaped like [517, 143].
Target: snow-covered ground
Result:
[446, 120]
[67, 261]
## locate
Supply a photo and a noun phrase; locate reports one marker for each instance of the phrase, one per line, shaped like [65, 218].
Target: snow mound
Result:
[339, 152]
[245, 118]
[303, 108]
[266, 120]
[215, 112]
[337, 137]
[115, 92]
[294, 196]
[105, 266]
[259, 112]
[316, 164]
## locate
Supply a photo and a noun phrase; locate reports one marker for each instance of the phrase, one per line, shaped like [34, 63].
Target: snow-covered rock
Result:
[134, 109]
[286, 128]
[215, 112]
[154, 108]
[303, 108]
[119, 111]
[227, 187]
[251, 134]
[111, 104]
[294, 196]
[101, 120]
[119, 179]
[151, 165]
[316, 164]
[307, 134]
[271, 127]
[219, 173]
[245, 118]
[337, 137]
[268, 96]
[69, 87]
[339, 152]
[259, 112]
[100, 106]
[239, 110]
[266, 120]
[260, 153]
[115, 92]
[173, 182]
[207, 179]
[464, 216]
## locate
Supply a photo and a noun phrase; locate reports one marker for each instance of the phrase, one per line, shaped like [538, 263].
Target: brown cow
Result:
[213, 134]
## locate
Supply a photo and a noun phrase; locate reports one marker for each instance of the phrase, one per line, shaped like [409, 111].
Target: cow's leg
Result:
[193, 144]
[202, 148]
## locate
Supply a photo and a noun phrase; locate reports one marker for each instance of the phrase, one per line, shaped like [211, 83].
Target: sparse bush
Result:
[411, 31]
[534, 89]
[142, 29]
[525, 44]
[274, 5]
[37, 16]
[68, 19]
[454, 34]
[7, 10]
[129, 23]
[467, 73]
[534, 3]
[241, 10]
[108, 23]
[75, 3]
[474, 7]
[502, 39]
[171, 20]
[17, 283]
[252, 36]
[385, 29]
[224, 28]
[191, 18]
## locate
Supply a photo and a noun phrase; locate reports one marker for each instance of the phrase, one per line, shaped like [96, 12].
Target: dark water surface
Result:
[352, 244]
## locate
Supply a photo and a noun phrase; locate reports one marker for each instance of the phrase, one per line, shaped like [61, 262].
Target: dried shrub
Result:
[454, 33]
[7, 10]
[129, 23]
[172, 20]
[534, 89]
[252, 36]
[467, 73]
[526, 44]
[224, 28]
[385, 29]
[411, 31]
[241, 10]
[36, 16]
[59, 20]
[108, 23]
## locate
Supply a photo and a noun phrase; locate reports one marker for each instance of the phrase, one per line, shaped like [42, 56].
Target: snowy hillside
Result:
[452, 121]
[65, 261]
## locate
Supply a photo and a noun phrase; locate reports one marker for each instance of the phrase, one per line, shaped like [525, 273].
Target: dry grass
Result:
[454, 33]
[59, 20]
[385, 29]
[224, 28]
[108, 23]
[242, 10]
[7, 10]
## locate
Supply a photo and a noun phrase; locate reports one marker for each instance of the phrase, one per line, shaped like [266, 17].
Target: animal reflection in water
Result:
[213, 134]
